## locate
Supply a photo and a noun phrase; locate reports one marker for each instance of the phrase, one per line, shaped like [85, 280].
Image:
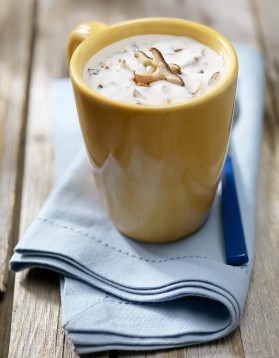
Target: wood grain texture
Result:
[266, 16]
[234, 20]
[15, 56]
[36, 329]
[16, 40]
[6, 302]
[260, 329]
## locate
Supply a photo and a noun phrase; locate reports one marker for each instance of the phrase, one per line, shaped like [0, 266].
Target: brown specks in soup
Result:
[114, 68]
[93, 71]
[214, 78]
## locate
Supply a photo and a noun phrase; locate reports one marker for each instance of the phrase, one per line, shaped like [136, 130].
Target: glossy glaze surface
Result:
[156, 167]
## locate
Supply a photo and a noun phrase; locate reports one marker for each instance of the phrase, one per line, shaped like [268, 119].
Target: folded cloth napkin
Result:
[121, 294]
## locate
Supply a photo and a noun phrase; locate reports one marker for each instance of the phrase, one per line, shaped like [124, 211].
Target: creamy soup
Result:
[154, 69]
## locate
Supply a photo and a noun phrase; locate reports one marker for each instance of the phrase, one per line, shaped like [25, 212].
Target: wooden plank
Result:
[262, 311]
[266, 16]
[16, 41]
[175, 8]
[6, 302]
[36, 329]
[233, 20]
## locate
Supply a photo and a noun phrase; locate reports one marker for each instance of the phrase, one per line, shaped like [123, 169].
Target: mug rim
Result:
[229, 77]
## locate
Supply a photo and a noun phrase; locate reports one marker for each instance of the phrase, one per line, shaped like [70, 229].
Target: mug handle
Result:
[80, 33]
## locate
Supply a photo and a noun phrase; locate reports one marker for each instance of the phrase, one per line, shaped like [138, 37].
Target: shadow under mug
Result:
[156, 167]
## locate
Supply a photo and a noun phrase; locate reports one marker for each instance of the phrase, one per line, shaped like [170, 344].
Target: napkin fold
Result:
[117, 293]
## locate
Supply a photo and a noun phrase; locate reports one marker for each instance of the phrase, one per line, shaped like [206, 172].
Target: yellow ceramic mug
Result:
[156, 167]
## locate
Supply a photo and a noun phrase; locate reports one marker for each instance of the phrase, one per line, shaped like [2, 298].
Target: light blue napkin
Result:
[120, 294]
